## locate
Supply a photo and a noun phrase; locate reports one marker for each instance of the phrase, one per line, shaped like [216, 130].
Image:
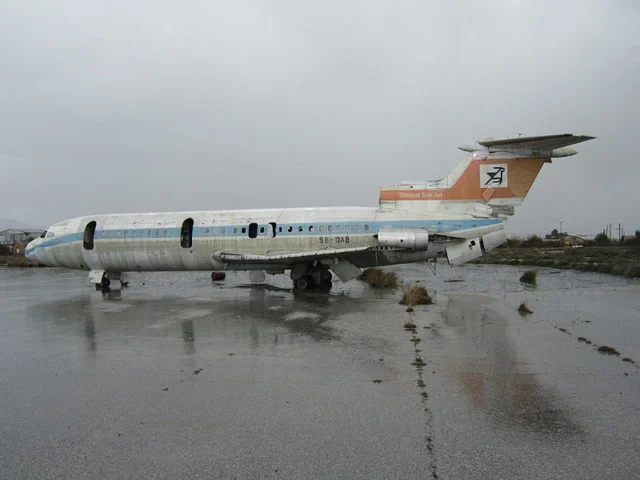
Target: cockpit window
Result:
[50, 235]
[42, 235]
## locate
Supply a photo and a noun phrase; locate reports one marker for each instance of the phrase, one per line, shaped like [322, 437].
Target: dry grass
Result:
[378, 278]
[17, 261]
[523, 309]
[608, 350]
[530, 277]
[415, 295]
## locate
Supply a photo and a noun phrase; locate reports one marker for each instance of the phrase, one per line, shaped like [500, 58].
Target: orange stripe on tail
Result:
[522, 172]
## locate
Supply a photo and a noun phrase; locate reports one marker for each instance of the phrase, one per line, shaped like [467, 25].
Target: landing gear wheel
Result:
[305, 283]
[327, 284]
[106, 284]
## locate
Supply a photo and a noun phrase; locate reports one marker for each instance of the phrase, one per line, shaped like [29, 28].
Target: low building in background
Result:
[17, 238]
[574, 241]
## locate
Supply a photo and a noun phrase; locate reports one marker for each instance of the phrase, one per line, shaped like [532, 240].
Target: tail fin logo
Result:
[494, 176]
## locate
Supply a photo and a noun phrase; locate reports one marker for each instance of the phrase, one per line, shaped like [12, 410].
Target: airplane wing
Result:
[545, 142]
[337, 258]
[288, 257]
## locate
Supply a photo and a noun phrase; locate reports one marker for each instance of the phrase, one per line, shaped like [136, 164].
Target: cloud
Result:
[201, 105]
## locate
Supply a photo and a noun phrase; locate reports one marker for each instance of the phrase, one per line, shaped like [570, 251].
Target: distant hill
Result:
[6, 223]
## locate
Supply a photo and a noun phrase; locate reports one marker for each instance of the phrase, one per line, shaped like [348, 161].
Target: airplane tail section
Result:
[495, 178]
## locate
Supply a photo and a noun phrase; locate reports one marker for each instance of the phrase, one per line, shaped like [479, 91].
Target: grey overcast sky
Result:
[126, 106]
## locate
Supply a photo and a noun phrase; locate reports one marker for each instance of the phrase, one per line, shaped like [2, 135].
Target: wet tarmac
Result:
[181, 378]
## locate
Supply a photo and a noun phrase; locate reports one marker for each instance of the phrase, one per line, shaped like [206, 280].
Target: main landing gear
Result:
[312, 279]
[106, 281]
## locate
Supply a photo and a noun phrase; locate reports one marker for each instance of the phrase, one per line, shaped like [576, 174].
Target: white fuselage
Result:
[160, 242]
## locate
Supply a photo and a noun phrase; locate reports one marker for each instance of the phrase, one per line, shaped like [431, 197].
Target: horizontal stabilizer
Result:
[542, 143]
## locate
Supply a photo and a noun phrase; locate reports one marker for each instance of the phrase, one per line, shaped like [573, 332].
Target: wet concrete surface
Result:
[181, 378]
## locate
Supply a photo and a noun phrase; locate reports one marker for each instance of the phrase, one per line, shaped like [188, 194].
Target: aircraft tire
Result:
[305, 283]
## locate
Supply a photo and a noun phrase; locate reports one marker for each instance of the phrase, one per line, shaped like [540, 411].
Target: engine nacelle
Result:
[464, 252]
[493, 240]
[417, 239]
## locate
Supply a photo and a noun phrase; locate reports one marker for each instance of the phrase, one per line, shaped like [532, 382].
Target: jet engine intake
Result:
[417, 239]
[464, 251]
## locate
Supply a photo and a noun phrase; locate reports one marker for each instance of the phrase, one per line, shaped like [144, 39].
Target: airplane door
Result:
[89, 253]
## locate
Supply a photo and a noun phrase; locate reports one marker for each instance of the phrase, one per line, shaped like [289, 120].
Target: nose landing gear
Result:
[106, 281]
[104, 285]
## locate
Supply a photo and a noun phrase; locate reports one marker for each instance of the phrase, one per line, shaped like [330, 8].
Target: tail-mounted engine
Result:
[417, 239]
[493, 240]
[464, 251]
[474, 248]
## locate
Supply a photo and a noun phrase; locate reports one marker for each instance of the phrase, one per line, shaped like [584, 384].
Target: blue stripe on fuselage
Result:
[318, 228]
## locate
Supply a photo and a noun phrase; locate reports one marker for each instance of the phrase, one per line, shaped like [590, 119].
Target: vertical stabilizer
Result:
[492, 180]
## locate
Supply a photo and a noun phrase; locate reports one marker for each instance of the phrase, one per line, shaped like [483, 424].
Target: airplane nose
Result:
[30, 250]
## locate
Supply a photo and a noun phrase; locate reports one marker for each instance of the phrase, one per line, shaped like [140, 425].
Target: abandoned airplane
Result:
[458, 218]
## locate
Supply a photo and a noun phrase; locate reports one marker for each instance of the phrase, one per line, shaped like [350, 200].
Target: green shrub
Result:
[523, 309]
[602, 239]
[633, 271]
[530, 277]
[533, 241]
[619, 269]
[513, 242]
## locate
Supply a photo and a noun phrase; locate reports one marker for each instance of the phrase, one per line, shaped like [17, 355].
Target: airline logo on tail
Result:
[494, 175]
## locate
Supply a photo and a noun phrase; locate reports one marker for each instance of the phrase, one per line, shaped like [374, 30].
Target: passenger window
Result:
[321, 228]
[329, 228]
[366, 228]
[290, 229]
[300, 228]
[311, 228]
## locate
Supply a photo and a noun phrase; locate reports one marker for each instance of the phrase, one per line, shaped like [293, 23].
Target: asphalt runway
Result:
[177, 377]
